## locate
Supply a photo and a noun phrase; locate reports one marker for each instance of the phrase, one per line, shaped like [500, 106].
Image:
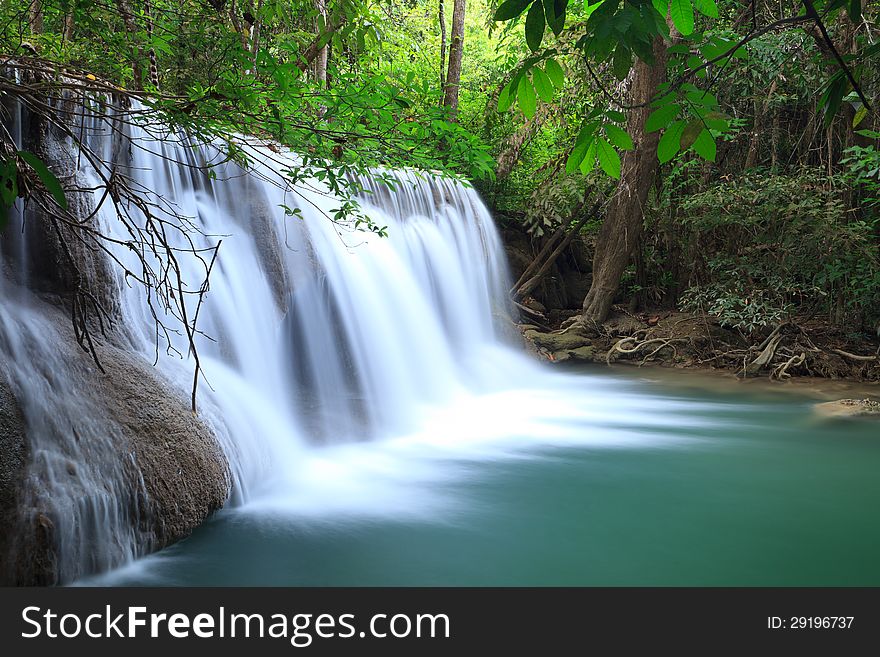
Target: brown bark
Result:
[35, 16]
[622, 228]
[311, 51]
[151, 54]
[136, 53]
[255, 33]
[456, 48]
[69, 23]
[442, 19]
[321, 56]
[235, 19]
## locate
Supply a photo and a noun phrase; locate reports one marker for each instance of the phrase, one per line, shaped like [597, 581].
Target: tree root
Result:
[781, 371]
[638, 346]
[789, 350]
[846, 354]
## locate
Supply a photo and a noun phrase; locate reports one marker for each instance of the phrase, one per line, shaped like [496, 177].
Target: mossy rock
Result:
[585, 354]
[569, 340]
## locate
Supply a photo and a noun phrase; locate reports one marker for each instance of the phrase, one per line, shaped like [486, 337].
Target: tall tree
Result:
[442, 19]
[456, 48]
[321, 57]
[622, 228]
[124, 8]
[35, 17]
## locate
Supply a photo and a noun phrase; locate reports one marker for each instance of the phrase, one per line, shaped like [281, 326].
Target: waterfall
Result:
[312, 331]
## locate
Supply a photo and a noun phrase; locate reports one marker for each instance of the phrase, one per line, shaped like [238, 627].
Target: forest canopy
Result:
[711, 155]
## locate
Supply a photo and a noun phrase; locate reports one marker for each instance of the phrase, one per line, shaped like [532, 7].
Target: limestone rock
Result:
[849, 408]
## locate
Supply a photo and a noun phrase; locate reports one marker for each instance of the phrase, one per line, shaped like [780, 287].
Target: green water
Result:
[737, 486]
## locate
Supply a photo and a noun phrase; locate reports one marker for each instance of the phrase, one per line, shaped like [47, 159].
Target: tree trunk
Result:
[256, 32]
[622, 227]
[131, 27]
[311, 52]
[321, 56]
[69, 22]
[456, 46]
[442, 18]
[154, 66]
[235, 19]
[35, 16]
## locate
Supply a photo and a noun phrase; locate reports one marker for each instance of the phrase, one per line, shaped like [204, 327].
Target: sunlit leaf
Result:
[609, 160]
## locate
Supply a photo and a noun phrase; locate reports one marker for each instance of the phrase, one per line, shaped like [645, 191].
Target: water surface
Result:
[601, 477]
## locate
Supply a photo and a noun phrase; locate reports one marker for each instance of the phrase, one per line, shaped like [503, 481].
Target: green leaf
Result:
[705, 146]
[525, 95]
[703, 98]
[855, 11]
[831, 100]
[690, 133]
[535, 26]
[682, 14]
[614, 115]
[609, 160]
[555, 72]
[707, 8]
[590, 6]
[589, 161]
[618, 137]
[859, 117]
[542, 85]
[662, 7]
[622, 61]
[47, 177]
[670, 142]
[505, 98]
[717, 121]
[554, 10]
[577, 154]
[8, 184]
[662, 117]
[511, 9]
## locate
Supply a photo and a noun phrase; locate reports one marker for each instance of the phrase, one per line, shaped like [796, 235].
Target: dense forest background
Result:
[716, 157]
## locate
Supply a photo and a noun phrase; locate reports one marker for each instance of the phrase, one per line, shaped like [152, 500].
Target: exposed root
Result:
[846, 354]
[768, 351]
[790, 349]
[638, 346]
[781, 371]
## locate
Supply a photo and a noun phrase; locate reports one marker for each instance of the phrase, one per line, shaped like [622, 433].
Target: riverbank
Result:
[792, 349]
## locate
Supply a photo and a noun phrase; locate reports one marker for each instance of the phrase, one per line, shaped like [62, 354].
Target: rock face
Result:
[849, 408]
[140, 473]
[96, 467]
[13, 460]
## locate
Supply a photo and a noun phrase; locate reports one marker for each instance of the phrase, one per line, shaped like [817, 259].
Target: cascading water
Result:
[313, 331]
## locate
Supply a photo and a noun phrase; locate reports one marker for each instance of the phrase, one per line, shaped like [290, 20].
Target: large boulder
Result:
[98, 464]
[571, 344]
[130, 447]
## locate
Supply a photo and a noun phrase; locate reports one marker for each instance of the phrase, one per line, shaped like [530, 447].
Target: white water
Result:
[344, 337]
